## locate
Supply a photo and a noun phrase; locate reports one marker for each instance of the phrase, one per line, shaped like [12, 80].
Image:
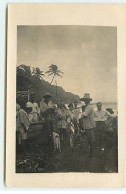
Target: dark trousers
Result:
[48, 125]
[91, 139]
[64, 139]
[100, 133]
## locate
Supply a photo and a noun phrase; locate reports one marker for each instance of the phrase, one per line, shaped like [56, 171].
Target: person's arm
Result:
[24, 120]
[87, 112]
[50, 105]
[107, 114]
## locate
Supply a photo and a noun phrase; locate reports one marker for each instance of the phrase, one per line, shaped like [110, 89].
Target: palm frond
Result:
[51, 74]
[60, 71]
[58, 75]
[48, 71]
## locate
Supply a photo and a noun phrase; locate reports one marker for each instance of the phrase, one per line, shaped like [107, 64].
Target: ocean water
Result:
[112, 105]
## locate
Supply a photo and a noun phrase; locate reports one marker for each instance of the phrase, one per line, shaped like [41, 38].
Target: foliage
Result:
[34, 82]
[37, 73]
[24, 77]
[53, 70]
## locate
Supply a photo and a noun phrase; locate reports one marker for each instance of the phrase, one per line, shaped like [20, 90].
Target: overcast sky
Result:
[87, 55]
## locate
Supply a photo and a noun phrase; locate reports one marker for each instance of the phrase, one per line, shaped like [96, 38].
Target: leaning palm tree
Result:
[53, 70]
[38, 73]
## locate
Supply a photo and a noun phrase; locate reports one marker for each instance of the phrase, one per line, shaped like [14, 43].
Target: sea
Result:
[112, 105]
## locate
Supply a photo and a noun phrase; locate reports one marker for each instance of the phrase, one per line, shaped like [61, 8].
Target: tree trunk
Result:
[52, 79]
[56, 91]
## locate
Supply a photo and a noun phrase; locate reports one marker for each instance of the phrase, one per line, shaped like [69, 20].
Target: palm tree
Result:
[38, 73]
[53, 70]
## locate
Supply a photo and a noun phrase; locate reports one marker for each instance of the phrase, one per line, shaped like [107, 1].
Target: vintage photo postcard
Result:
[65, 119]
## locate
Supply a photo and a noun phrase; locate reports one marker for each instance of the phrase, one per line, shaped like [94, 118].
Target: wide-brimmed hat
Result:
[29, 105]
[47, 95]
[86, 96]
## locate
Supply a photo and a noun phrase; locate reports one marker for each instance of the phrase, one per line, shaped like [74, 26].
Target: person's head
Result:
[47, 97]
[75, 104]
[28, 107]
[110, 110]
[86, 98]
[70, 106]
[99, 105]
[87, 101]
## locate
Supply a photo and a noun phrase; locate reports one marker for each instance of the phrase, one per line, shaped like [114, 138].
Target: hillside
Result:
[27, 81]
[65, 97]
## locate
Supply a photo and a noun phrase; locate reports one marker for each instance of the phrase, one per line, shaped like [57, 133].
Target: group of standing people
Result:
[98, 125]
[64, 124]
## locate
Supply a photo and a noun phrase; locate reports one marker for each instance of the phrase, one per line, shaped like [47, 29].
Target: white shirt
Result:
[44, 106]
[89, 117]
[101, 115]
[35, 108]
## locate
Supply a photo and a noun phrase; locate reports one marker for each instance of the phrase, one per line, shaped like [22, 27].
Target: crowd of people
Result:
[66, 125]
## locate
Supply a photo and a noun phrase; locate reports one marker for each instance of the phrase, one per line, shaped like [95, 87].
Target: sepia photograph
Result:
[66, 99]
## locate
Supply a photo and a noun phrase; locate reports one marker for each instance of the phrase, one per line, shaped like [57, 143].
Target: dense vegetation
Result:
[33, 81]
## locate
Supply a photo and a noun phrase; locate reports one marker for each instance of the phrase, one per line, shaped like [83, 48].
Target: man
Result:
[89, 123]
[46, 105]
[101, 117]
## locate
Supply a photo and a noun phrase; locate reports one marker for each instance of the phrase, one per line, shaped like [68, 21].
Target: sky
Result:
[86, 54]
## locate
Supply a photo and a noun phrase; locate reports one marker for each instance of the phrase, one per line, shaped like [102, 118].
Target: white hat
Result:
[29, 105]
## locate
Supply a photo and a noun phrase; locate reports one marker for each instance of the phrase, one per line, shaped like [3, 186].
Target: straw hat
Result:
[86, 96]
[47, 95]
